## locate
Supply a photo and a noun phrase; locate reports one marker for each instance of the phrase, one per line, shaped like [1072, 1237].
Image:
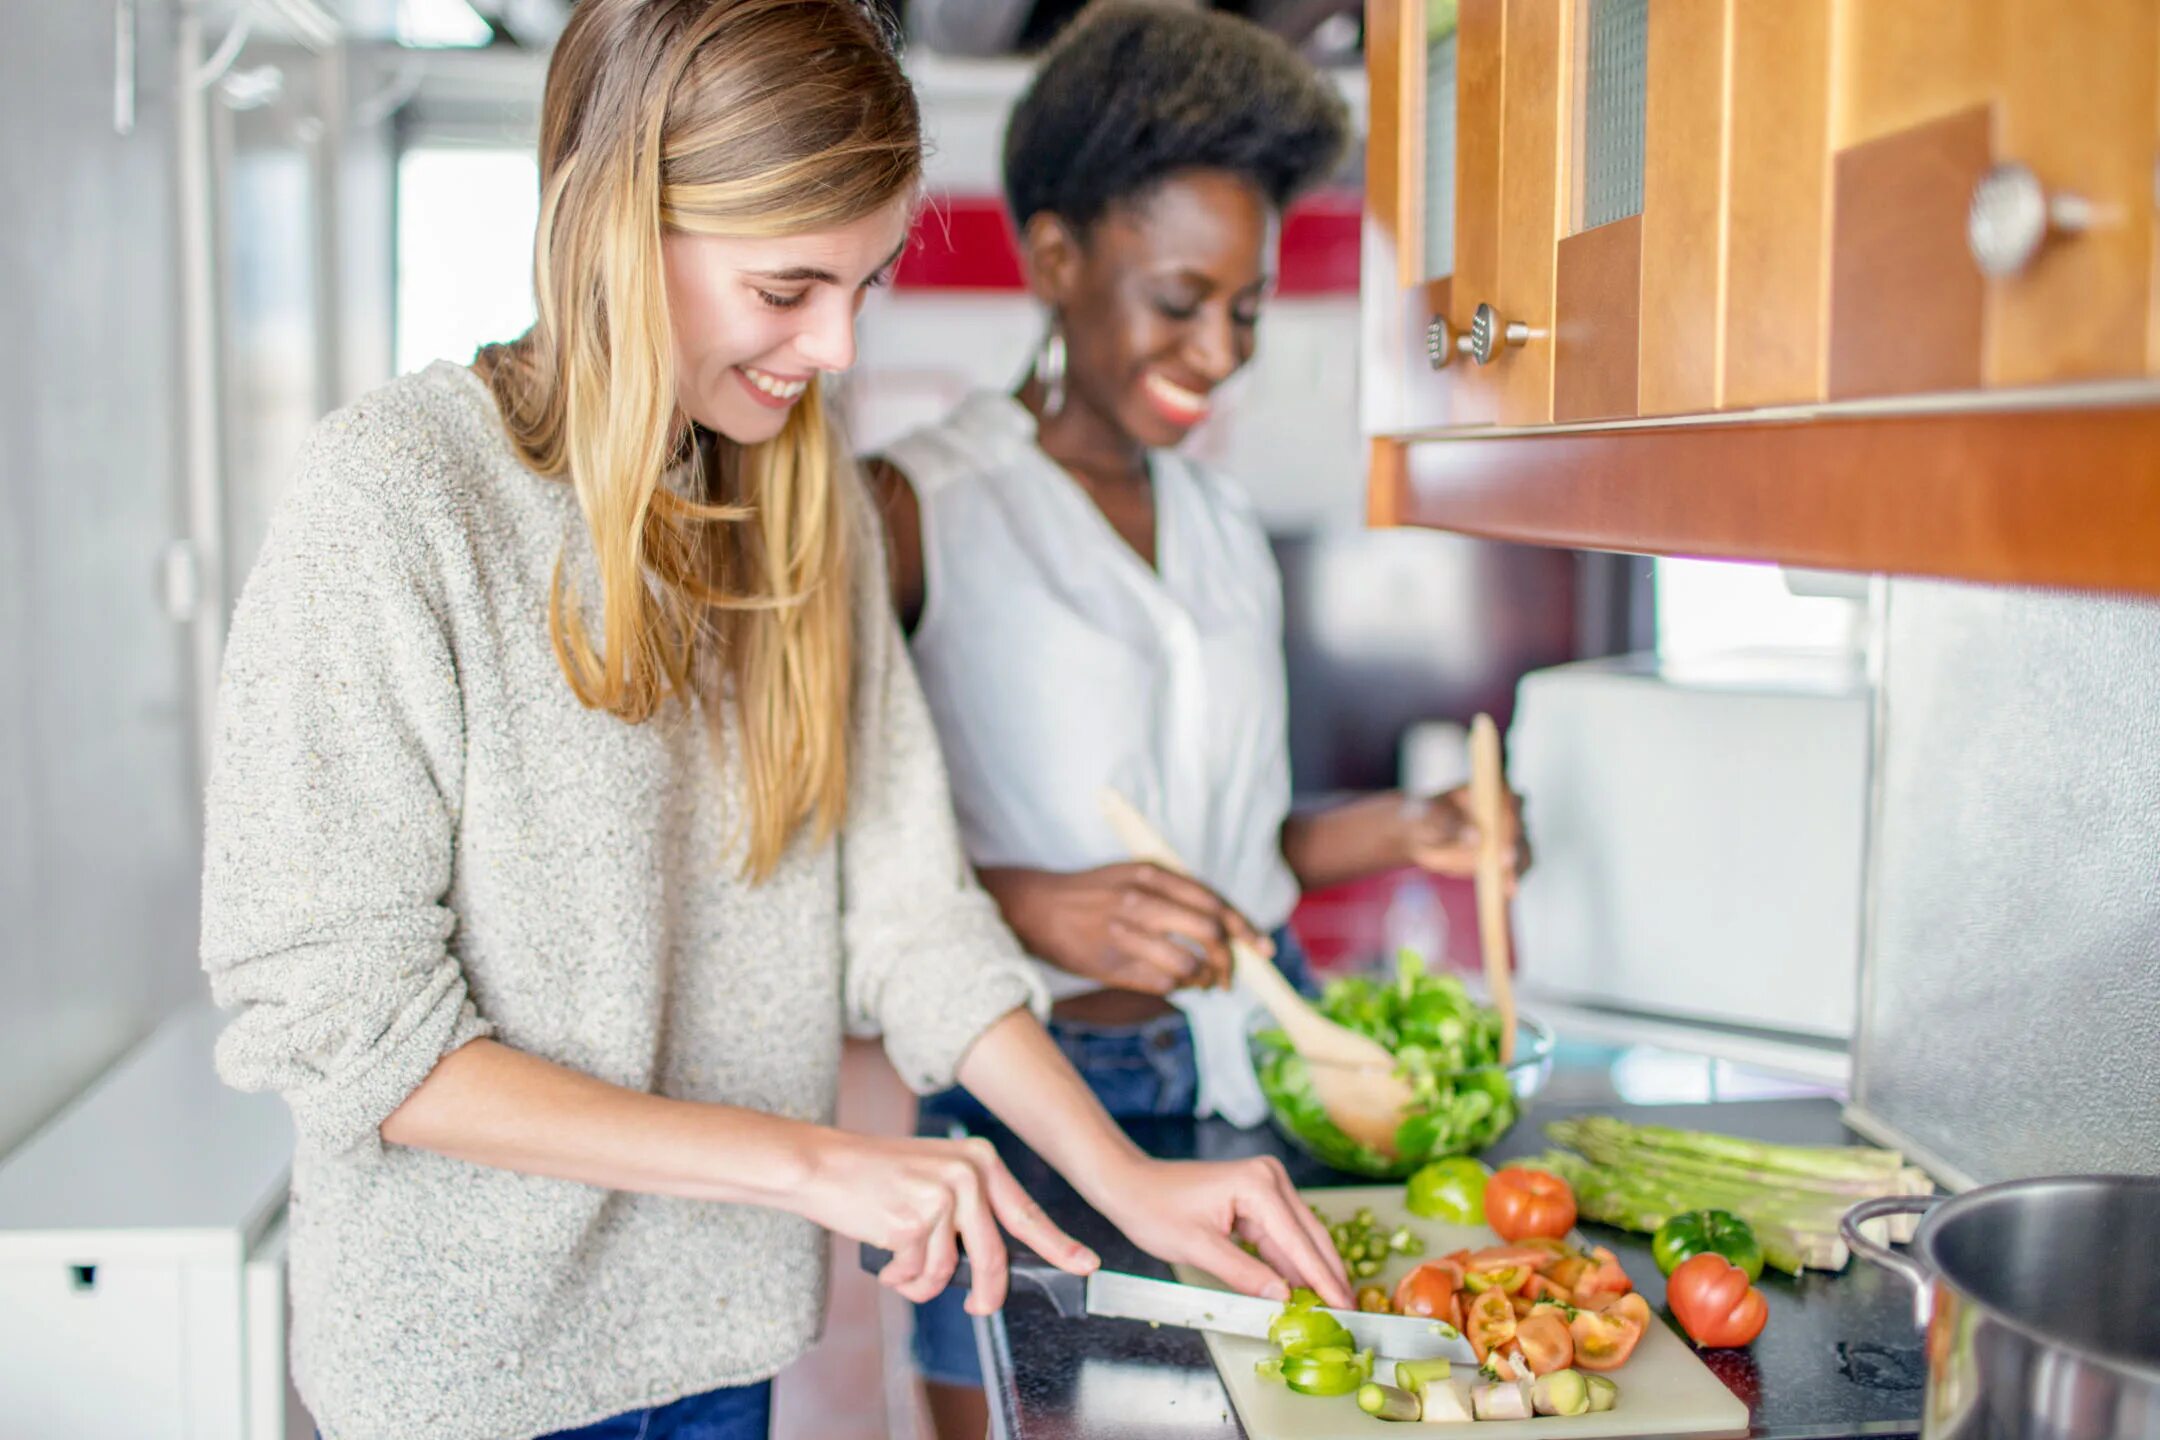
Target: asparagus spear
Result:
[1818, 1165]
[1633, 1201]
[1854, 1172]
[1637, 1176]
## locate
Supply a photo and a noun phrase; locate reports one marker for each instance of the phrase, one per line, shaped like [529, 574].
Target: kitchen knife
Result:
[1113, 1295]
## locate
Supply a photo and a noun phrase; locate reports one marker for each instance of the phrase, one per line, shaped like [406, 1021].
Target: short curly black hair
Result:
[1133, 93]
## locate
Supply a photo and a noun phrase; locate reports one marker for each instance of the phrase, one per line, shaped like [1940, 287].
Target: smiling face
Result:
[756, 320]
[1160, 303]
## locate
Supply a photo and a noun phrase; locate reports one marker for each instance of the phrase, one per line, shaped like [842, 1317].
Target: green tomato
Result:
[1716, 1232]
[1452, 1190]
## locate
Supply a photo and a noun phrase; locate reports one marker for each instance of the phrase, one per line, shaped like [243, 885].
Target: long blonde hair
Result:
[745, 118]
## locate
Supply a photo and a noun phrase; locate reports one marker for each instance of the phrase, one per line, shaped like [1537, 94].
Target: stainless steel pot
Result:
[2041, 1302]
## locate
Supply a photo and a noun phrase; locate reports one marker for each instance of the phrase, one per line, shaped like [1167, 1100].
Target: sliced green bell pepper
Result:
[1327, 1370]
[1295, 1332]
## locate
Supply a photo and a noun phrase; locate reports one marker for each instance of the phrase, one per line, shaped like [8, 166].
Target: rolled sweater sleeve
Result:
[929, 962]
[332, 803]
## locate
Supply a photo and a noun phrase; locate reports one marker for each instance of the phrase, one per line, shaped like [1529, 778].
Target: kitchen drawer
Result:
[142, 1257]
[94, 1350]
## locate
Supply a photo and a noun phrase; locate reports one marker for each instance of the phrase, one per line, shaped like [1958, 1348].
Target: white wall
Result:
[98, 818]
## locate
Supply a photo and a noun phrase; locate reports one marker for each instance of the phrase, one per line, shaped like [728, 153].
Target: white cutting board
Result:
[1664, 1388]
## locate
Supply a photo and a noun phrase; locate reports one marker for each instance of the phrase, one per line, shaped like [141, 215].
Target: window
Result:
[1706, 607]
[464, 250]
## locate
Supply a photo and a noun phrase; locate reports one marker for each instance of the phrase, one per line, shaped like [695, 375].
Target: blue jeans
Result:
[739, 1412]
[1137, 1071]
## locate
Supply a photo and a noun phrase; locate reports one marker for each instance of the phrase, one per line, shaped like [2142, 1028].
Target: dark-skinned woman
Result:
[1090, 611]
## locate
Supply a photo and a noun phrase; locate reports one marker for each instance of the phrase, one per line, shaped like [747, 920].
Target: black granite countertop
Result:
[1839, 1357]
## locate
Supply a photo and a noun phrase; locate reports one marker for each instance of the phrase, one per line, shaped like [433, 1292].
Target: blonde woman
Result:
[573, 796]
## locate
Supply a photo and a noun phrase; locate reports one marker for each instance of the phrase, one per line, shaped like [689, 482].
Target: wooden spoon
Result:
[1488, 807]
[1353, 1076]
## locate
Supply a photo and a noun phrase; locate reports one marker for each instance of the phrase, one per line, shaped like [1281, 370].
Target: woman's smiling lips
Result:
[775, 392]
[1173, 401]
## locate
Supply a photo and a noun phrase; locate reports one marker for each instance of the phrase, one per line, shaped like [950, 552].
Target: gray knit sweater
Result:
[417, 836]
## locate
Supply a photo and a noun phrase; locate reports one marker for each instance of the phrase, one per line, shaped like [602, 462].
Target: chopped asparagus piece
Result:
[1415, 1375]
[1563, 1392]
[1445, 1402]
[1505, 1400]
[1385, 1402]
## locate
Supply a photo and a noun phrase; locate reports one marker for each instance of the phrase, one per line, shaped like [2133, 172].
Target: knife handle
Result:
[1066, 1292]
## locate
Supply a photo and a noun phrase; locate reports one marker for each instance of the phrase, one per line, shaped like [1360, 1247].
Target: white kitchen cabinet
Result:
[142, 1233]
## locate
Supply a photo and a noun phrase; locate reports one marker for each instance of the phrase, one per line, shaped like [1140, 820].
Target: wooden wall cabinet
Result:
[1747, 254]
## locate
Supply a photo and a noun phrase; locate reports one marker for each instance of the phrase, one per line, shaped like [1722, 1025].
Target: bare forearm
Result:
[1178, 1212]
[493, 1105]
[1344, 842]
[1017, 1070]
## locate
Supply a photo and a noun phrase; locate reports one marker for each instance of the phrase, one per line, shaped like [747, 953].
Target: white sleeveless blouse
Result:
[1058, 663]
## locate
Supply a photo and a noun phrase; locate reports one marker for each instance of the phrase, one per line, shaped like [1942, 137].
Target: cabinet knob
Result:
[2012, 216]
[1442, 344]
[1486, 338]
[1489, 335]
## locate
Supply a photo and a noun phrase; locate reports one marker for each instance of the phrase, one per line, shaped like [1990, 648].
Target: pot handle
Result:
[1905, 1267]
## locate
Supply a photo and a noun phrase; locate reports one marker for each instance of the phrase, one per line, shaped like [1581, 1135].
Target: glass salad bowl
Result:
[1445, 1043]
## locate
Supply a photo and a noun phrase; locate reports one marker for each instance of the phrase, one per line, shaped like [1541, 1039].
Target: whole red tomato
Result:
[1711, 1298]
[1521, 1203]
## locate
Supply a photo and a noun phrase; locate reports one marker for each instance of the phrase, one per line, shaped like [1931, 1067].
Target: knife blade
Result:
[1111, 1294]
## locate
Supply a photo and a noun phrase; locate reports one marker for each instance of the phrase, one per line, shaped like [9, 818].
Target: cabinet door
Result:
[1479, 84]
[1600, 284]
[2049, 277]
[2075, 109]
[1510, 94]
[1410, 158]
[1536, 86]
[1411, 205]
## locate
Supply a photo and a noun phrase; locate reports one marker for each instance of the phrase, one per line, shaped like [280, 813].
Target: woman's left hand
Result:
[1195, 1212]
[1443, 838]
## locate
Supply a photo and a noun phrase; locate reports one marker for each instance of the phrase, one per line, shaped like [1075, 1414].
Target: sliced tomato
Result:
[1567, 1272]
[1521, 1305]
[1541, 1288]
[1604, 1282]
[1508, 1257]
[1490, 1323]
[1428, 1291]
[1507, 1280]
[1553, 1250]
[1603, 1340]
[1546, 1343]
[1630, 1307]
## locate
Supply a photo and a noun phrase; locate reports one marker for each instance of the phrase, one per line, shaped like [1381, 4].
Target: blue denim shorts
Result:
[739, 1412]
[1137, 1071]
